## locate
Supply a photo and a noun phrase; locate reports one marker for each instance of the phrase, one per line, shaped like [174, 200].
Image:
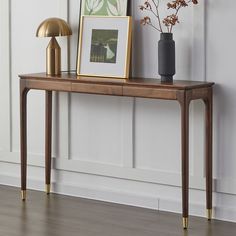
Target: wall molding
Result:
[127, 110]
[63, 108]
[121, 197]
[5, 74]
[198, 73]
[224, 186]
[102, 169]
[199, 42]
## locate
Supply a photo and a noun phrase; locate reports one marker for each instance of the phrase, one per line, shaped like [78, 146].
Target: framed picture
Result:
[104, 46]
[104, 7]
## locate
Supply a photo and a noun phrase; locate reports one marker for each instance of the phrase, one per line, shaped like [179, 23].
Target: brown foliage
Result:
[169, 21]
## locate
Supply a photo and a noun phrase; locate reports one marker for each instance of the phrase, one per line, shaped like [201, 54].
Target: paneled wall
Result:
[122, 150]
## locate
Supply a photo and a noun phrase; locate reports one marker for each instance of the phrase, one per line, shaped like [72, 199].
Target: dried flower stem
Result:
[158, 15]
[176, 14]
[154, 27]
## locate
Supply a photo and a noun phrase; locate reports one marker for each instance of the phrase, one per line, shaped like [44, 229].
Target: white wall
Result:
[122, 149]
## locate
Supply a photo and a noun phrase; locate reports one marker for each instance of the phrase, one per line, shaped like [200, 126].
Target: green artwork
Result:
[104, 46]
[104, 7]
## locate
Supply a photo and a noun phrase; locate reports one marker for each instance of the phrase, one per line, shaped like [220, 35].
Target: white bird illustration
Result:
[94, 6]
[119, 9]
[110, 53]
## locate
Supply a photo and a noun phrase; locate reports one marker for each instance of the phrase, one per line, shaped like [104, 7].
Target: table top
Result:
[132, 82]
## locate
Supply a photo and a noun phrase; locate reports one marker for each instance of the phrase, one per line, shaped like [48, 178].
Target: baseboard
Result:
[126, 198]
[100, 194]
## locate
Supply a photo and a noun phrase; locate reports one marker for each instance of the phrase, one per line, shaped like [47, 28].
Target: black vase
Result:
[166, 57]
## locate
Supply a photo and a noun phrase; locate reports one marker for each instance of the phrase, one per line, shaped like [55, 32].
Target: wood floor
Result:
[59, 215]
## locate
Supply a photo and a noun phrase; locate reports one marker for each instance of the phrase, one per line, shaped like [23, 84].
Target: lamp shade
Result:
[53, 27]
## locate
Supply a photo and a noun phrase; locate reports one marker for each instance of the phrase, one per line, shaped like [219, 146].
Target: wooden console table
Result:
[182, 91]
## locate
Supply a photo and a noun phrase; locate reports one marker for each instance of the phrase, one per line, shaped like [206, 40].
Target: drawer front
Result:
[149, 93]
[104, 89]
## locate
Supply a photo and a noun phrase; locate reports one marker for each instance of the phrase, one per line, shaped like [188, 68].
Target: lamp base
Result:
[53, 58]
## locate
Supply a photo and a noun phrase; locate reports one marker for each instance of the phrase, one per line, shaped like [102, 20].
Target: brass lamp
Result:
[53, 27]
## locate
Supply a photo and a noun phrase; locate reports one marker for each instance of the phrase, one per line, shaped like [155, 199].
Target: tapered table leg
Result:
[48, 139]
[208, 149]
[184, 102]
[23, 137]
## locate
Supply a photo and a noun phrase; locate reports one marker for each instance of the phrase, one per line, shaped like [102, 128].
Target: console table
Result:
[182, 91]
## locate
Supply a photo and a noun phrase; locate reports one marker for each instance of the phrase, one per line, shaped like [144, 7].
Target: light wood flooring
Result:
[58, 215]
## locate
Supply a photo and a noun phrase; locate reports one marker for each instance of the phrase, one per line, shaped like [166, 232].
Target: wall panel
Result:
[5, 76]
[157, 137]
[96, 129]
[26, 45]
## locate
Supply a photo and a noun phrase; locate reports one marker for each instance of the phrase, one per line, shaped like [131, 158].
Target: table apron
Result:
[168, 94]
[48, 85]
[115, 90]
[97, 89]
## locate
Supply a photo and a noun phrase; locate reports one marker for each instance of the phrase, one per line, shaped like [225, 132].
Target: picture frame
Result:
[105, 7]
[104, 46]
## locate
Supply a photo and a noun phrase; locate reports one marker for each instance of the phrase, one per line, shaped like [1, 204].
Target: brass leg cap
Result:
[48, 188]
[209, 214]
[23, 195]
[185, 222]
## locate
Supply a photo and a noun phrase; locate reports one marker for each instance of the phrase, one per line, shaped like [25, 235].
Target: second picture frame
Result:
[104, 7]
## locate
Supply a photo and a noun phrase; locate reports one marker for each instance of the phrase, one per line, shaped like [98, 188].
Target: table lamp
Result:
[53, 27]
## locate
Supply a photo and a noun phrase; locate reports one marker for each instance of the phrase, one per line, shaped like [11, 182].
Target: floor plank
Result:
[58, 215]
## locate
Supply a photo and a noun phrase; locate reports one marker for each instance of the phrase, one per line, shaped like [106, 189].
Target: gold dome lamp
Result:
[53, 27]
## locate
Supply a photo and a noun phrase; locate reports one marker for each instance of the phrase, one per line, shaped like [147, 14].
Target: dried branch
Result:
[171, 20]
